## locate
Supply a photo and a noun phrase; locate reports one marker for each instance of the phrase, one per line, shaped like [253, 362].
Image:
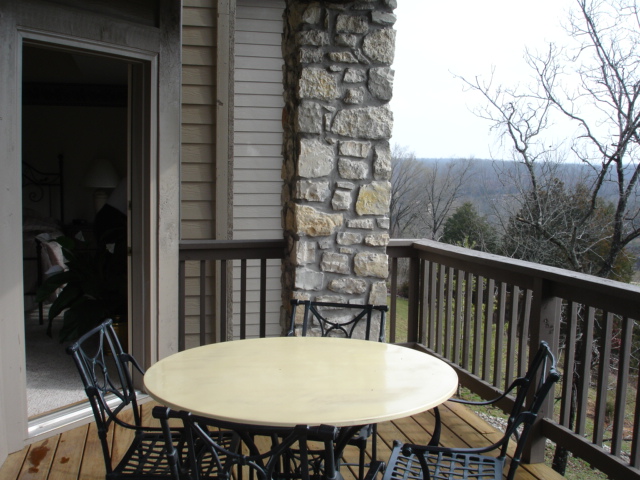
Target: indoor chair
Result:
[432, 462]
[105, 372]
[347, 320]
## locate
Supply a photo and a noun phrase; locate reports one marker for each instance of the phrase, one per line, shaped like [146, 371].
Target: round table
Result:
[288, 381]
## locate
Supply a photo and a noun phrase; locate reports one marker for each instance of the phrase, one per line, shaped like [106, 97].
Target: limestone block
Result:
[312, 191]
[353, 169]
[352, 24]
[335, 263]
[346, 40]
[354, 75]
[367, 122]
[312, 15]
[309, 221]
[354, 96]
[368, 264]
[378, 294]
[381, 83]
[383, 18]
[374, 199]
[348, 238]
[312, 37]
[319, 84]
[325, 243]
[361, 223]
[307, 279]
[355, 149]
[384, 223]
[377, 240]
[310, 117]
[382, 162]
[348, 285]
[345, 185]
[341, 200]
[346, 251]
[316, 158]
[342, 57]
[305, 253]
[311, 55]
[380, 45]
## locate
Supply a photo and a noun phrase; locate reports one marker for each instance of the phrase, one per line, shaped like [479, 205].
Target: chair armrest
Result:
[376, 467]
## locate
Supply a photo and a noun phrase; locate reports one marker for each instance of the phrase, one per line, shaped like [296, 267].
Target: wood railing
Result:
[484, 315]
[206, 293]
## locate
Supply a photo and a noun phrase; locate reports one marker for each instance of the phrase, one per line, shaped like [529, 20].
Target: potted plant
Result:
[93, 288]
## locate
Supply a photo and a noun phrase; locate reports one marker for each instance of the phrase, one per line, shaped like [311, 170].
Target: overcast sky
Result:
[437, 39]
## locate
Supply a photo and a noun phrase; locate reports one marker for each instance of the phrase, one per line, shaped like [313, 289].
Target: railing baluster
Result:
[523, 356]
[569, 365]
[441, 308]
[603, 379]
[457, 319]
[512, 334]
[203, 303]
[487, 363]
[448, 322]
[263, 297]
[432, 305]
[182, 299]
[585, 371]
[498, 360]
[243, 298]
[394, 295]
[634, 456]
[624, 361]
[223, 320]
[468, 315]
[477, 336]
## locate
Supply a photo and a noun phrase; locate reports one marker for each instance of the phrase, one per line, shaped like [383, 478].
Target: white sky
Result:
[437, 39]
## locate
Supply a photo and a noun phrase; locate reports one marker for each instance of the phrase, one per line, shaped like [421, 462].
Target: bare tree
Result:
[444, 184]
[406, 191]
[595, 85]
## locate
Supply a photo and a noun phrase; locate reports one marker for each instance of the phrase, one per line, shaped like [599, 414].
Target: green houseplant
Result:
[93, 288]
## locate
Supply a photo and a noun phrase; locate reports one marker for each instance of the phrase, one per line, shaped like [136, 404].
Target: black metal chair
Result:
[105, 371]
[208, 458]
[337, 319]
[343, 320]
[431, 462]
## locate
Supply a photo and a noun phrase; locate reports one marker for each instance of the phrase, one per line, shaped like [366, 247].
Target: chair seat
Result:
[145, 458]
[444, 466]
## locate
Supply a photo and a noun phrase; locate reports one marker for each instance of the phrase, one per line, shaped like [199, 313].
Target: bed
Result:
[42, 222]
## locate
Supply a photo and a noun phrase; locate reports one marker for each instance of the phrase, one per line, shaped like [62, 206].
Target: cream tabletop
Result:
[288, 381]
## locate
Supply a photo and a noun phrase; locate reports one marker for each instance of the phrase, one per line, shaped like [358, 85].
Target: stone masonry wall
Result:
[337, 159]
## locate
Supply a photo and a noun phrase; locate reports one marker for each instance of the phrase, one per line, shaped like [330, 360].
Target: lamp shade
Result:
[101, 175]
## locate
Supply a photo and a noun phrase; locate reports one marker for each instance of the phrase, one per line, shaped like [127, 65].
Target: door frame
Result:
[157, 51]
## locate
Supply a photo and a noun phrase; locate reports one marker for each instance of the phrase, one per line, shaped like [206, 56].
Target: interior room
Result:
[74, 155]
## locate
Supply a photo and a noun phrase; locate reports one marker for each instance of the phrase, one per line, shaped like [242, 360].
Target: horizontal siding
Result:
[199, 54]
[257, 183]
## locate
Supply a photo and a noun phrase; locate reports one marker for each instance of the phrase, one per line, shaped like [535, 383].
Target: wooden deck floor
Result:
[76, 454]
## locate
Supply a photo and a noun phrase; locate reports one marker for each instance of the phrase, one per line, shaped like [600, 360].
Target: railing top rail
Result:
[231, 249]
[613, 296]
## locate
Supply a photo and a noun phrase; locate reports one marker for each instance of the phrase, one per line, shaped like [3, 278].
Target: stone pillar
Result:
[337, 161]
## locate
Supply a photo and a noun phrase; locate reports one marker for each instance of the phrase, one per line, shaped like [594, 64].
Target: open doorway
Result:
[76, 151]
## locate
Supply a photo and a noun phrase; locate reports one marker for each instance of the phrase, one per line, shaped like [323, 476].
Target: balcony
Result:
[479, 312]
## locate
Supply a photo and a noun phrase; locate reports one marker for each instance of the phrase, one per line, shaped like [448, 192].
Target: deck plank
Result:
[66, 462]
[77, 454]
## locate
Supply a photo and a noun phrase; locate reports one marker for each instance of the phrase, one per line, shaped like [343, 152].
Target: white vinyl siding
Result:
[257, 186]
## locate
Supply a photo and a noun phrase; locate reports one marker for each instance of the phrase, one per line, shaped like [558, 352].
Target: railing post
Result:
[546, 314]
[413, 327]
